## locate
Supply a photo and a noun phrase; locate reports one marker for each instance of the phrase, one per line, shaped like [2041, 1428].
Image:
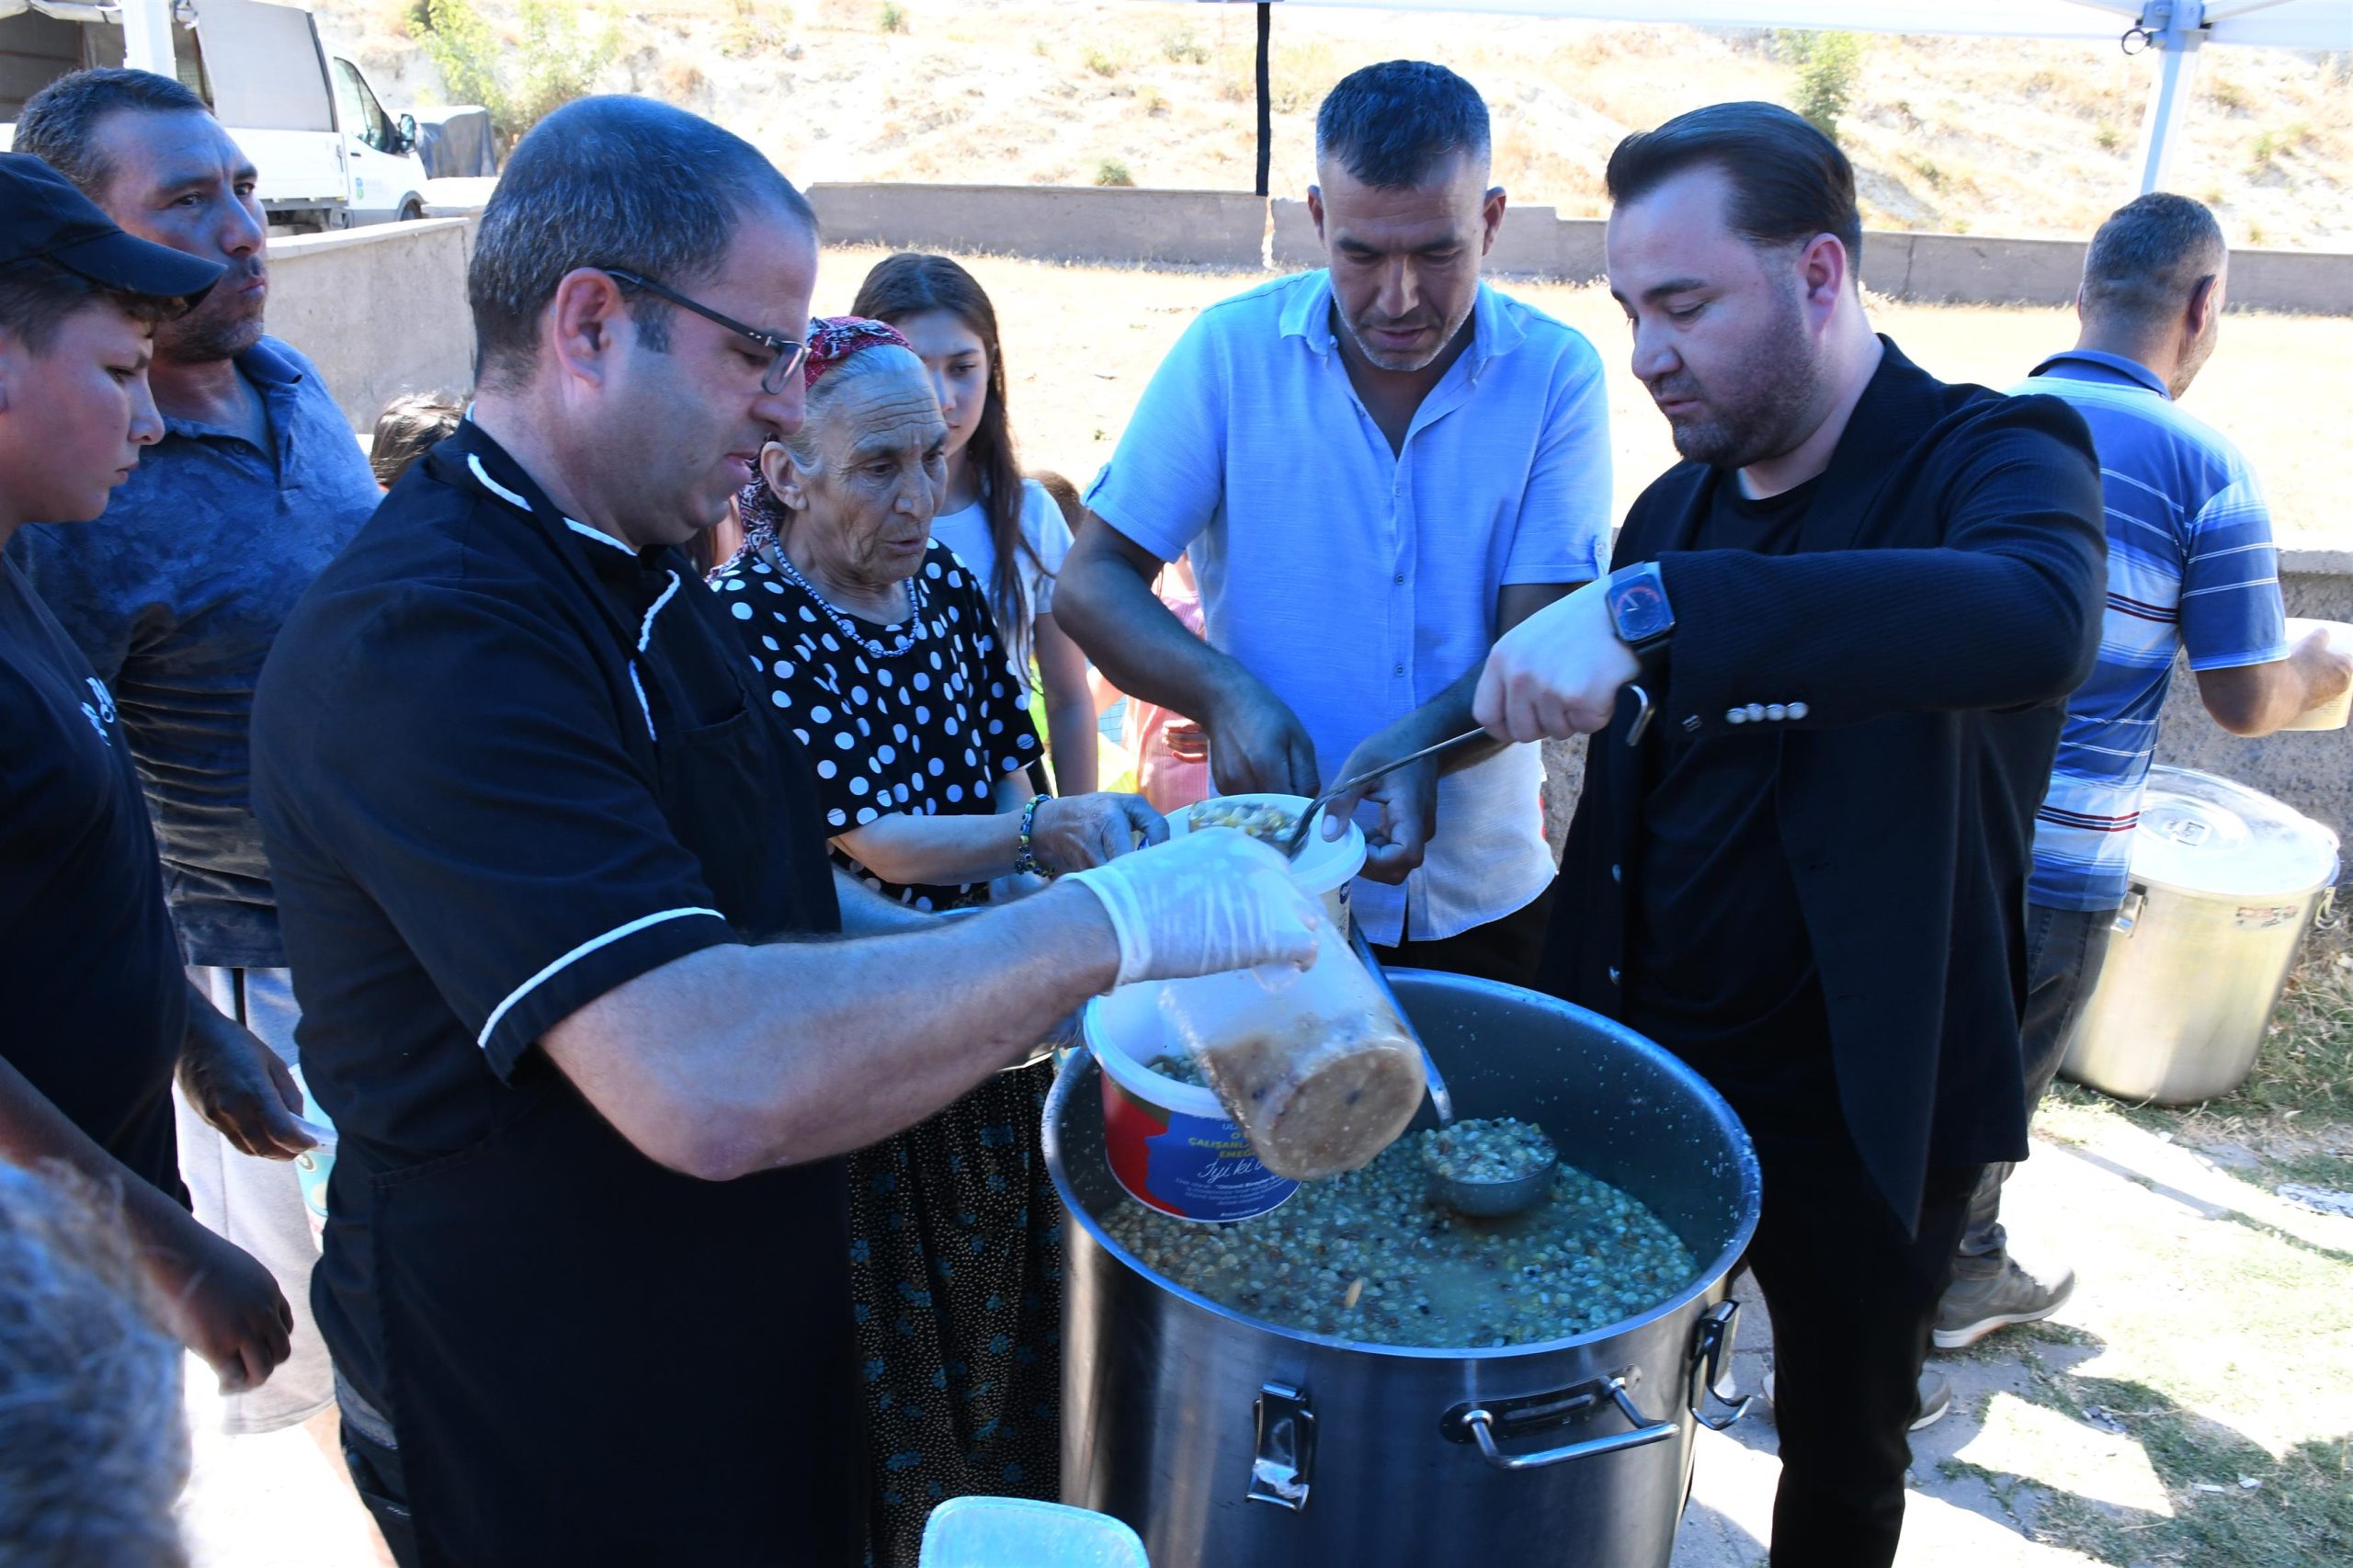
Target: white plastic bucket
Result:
[1171, 1145]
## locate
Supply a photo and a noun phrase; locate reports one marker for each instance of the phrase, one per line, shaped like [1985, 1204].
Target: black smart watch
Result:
[1639, 611]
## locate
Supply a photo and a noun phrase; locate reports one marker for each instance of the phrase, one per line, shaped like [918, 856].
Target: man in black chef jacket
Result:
[1828, 671]
[547, 866]
[98, 1015]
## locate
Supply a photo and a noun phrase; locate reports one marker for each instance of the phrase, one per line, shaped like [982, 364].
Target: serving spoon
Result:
[1480, 1199]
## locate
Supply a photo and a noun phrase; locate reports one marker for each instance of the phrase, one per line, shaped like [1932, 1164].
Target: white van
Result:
[329, 155]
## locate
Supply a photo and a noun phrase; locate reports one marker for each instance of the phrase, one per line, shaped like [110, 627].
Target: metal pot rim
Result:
[1708, 1277]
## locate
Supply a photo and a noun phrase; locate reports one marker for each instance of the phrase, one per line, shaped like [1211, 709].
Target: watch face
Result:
[1639, 609]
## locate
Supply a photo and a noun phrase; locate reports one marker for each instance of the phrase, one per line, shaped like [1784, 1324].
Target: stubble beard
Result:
[222, 327]
[1760, 407]
[1381, 359]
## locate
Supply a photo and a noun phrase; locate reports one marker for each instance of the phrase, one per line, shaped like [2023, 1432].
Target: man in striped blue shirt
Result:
[2191, 567]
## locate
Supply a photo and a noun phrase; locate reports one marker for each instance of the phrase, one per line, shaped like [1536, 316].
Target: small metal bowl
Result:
[1494, 1199]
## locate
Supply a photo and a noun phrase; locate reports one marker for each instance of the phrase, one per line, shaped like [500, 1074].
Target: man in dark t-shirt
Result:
[98, 1009]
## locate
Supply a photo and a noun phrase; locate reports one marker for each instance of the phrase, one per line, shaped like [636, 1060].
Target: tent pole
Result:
[147, 37]
[1266, 94]
[2179, 34]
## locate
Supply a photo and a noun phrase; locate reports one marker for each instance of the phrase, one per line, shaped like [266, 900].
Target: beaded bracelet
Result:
[1027, 861]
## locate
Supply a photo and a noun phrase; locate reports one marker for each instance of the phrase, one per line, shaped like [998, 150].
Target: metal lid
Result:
[2201, 834]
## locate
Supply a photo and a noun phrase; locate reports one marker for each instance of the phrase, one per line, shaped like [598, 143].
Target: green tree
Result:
[563, 51]
[1828, 65]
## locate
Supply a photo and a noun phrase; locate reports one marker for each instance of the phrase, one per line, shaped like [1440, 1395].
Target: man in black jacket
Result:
[1828, 670]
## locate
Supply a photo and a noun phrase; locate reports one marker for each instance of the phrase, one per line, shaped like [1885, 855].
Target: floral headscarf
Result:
[832, 340]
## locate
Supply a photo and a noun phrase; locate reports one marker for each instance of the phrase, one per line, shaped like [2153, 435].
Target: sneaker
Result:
[1936, 1397]
[1974, 1308]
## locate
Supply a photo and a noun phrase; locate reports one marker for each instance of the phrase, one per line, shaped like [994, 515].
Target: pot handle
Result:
[1481, 1424]
[1708, 1360]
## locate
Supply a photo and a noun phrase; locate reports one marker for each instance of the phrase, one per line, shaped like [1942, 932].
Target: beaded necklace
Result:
[781, 565]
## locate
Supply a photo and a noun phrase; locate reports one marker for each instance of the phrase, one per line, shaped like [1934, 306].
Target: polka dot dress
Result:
[955, 1249]
[932, 730]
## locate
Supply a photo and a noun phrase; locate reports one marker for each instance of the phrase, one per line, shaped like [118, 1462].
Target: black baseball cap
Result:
[43, 217]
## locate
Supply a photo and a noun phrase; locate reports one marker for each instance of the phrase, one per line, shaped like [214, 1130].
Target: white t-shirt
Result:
[966, 531]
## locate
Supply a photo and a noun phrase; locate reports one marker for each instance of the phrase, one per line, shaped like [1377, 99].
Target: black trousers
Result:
[2065, 949]
[1853, 1296]
[1505, 950]
[376, 1474]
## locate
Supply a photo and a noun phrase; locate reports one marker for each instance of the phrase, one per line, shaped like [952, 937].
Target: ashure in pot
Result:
[1229, 1442]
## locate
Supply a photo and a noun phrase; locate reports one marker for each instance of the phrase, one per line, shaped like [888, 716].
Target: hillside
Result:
[1983, 135]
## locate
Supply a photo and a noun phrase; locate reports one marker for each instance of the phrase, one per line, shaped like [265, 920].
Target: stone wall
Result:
[380, 310]
[1233, 232]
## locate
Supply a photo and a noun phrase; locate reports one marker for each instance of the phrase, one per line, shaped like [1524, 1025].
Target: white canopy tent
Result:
[2177, 28]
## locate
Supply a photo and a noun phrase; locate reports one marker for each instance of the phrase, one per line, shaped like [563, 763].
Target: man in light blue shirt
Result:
[1377, 469]
[2190, 570]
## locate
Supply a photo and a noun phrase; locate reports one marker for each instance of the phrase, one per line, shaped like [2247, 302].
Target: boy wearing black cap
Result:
[97, 1006]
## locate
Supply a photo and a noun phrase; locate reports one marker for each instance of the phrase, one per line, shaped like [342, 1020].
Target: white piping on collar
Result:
[644, 636]
[473, 465]
[600, 536]
[645, 627]
[641, 706]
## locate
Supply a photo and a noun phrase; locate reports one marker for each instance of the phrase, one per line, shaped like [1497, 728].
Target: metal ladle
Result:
[1465, 1195]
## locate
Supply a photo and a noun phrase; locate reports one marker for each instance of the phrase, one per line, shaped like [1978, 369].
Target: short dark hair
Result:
[1789, 182]
[1389, 125]
[60, 123]
[2149, 256]
[613, 181]
[37, 298]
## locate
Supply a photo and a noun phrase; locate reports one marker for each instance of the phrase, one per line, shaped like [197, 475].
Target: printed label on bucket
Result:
[1192, 1166]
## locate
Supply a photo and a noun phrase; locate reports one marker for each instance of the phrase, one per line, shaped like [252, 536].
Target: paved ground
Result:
[2152, 1227]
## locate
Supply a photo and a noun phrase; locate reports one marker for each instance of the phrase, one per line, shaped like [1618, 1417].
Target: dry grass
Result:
[1080, 343]
[1975, 135]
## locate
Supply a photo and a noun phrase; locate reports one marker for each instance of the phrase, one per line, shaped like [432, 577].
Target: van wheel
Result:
[412, 209]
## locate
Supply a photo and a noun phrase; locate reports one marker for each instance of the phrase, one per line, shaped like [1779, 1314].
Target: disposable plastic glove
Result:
[1211, 901]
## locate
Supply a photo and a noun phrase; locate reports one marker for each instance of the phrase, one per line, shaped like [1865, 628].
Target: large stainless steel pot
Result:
[2225, 881]
[1231, 1443]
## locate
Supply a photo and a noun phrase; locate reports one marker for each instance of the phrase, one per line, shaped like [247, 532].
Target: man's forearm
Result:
[797, 1052]
[1108, 607]
[1441, 718]
[33, 1129]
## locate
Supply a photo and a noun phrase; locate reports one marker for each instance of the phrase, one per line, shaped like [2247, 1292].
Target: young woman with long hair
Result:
[1004, 527]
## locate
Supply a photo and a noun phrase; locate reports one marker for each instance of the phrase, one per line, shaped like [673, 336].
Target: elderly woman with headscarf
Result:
[877, 647]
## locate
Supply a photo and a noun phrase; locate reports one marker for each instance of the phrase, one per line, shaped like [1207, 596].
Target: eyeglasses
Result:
[790, 355]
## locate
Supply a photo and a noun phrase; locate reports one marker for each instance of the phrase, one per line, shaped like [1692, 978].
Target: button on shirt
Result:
[2190, 566]
[504, 766]
[1360, 582]
[176, 596]
[96, 1002]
